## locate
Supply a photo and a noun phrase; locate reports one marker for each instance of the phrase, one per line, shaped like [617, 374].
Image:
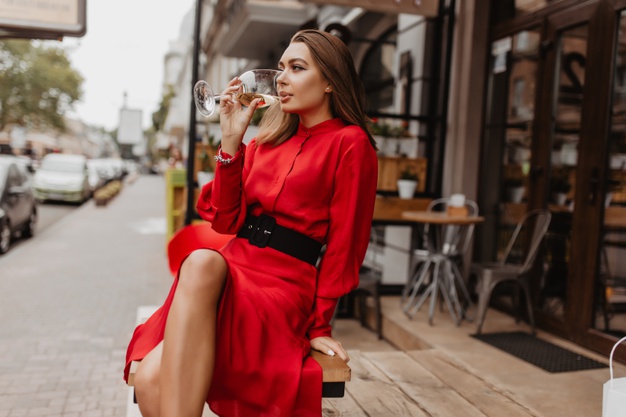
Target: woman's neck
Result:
[310, 120]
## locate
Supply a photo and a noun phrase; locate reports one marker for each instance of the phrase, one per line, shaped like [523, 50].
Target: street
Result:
[50, 212]
[68, 302]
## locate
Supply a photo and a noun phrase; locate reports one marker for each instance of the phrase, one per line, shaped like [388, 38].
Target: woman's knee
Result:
[203, 269]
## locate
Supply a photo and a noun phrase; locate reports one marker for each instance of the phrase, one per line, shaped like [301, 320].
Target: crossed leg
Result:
[173, 380]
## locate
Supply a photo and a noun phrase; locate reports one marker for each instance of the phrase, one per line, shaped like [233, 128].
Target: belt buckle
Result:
[262, 230]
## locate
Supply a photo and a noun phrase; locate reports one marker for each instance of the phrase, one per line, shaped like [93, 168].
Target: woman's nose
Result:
[280, 78]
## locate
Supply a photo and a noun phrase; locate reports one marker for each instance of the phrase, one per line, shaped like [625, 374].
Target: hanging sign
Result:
[43, 18]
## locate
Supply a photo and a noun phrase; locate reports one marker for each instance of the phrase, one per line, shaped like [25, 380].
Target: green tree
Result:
[37, 84]
[159, 116]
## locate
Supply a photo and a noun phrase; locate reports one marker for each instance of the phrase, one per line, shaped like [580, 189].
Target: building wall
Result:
[466, 103]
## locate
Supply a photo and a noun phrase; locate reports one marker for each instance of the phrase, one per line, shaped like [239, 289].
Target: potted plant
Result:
[407, 183]
[388, 136]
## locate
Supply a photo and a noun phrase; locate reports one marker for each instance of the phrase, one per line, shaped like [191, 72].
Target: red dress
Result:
[321, 183]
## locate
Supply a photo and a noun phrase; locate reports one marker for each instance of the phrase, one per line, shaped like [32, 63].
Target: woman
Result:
[240, 320]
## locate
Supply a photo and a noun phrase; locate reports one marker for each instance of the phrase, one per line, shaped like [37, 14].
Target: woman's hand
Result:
[329, 346]
[234, 118]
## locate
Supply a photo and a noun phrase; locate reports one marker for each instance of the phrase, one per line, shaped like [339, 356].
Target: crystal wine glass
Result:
[257, 83]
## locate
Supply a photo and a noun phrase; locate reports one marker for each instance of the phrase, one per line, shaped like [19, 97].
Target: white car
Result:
[62, 177]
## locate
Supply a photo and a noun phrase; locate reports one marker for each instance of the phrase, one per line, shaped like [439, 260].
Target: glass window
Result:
[509, 133]
[611, 276]
[377, 71]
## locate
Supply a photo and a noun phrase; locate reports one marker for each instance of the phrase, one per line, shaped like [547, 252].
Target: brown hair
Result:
[347, 100]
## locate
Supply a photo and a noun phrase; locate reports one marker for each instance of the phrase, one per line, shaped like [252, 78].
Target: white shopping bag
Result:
[614, 396]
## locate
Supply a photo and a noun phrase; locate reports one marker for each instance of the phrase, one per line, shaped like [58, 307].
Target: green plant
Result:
[408, 174]
[106, 193]
[387, 130]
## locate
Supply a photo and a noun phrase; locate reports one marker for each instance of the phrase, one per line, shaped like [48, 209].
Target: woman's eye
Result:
[297, 68]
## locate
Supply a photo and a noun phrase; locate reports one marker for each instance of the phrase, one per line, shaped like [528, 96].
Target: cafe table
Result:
[436, 272]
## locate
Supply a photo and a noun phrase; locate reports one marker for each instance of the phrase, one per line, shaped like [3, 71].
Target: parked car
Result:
[98, 175]
[62, 177]
[18, 208]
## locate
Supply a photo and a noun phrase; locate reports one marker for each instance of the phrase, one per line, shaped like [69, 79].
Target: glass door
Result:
[610, 283]
[571, 140]
[560, 137]
[547, 145]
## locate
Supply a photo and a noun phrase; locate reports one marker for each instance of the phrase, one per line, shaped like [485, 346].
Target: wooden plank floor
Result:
[417, 384]
[441, 371]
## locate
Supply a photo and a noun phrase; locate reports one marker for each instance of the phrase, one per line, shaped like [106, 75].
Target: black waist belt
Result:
[263, 231]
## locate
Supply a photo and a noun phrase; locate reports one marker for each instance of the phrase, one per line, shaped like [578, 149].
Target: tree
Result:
[159, 116]
[37, 84]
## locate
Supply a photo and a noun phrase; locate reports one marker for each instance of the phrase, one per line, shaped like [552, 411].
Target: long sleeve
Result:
[221, 200]
[352, 208]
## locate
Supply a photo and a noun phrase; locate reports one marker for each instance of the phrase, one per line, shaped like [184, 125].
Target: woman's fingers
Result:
[339, 350]
[330, 347]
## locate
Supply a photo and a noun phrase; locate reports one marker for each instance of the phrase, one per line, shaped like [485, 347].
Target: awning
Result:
[256, 26]
[427, 8]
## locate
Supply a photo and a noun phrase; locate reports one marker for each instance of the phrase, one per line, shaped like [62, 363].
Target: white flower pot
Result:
[406, 188]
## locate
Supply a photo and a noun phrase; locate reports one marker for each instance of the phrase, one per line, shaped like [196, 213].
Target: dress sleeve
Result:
[220, 201]
[351, 211]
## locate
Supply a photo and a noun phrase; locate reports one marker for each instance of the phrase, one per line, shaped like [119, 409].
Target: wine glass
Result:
[257, 83]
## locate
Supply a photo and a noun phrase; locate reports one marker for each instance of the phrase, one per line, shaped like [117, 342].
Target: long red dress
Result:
[321, 183]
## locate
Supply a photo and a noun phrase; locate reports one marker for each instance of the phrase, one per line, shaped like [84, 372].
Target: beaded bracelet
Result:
[219, 158]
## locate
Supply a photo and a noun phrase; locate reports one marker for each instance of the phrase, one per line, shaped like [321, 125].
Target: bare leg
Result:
[147, 388]
[189, 344]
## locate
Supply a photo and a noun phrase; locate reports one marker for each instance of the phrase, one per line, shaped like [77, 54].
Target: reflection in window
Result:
[377, 71]
[611, 276]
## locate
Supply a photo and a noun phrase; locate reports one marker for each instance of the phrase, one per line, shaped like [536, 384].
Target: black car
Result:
[18, 208]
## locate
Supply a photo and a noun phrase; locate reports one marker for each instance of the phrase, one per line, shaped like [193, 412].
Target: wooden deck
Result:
[419, 383]
[441, 370]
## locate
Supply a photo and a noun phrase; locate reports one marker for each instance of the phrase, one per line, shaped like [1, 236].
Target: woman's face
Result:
[301, 87]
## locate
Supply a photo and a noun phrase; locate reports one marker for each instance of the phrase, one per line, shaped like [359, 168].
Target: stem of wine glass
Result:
[218, 98]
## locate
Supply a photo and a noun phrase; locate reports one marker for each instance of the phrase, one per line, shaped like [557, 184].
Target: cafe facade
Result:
[514, 103]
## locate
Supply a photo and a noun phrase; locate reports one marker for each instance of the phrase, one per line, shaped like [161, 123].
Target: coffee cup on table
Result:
[456, 205]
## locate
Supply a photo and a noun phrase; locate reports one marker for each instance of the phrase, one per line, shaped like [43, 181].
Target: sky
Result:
[123, 51]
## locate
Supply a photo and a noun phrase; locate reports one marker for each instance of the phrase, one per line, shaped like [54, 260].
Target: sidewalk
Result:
[68, 301]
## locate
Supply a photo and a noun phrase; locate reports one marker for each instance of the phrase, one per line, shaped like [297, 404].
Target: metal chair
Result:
[444, 245]
[441, 204]
[528, 235]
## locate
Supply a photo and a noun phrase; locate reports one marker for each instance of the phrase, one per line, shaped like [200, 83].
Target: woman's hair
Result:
[347, 99]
